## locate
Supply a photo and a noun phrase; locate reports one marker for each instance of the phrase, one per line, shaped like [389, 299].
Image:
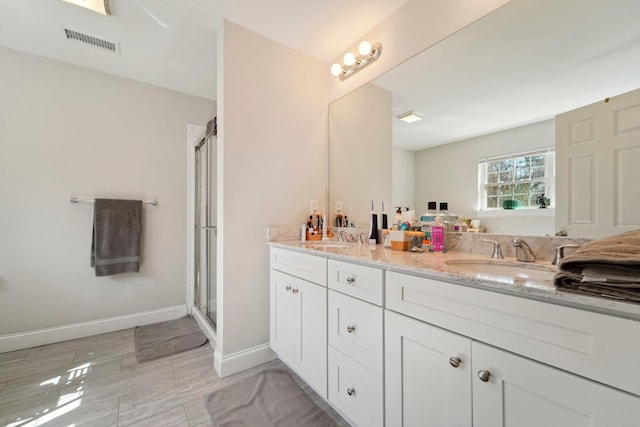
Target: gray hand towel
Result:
[115, 244]
[618, 255]
[608, 267]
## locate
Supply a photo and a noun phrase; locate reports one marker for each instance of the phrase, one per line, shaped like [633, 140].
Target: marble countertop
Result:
[453, 267]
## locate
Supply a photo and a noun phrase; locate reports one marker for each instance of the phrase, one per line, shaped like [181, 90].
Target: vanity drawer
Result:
[593, 345]
[356, 280]
[356, 328]
[355, 391]
[307, 267]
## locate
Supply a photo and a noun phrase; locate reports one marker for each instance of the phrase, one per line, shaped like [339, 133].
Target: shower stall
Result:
[205, 230]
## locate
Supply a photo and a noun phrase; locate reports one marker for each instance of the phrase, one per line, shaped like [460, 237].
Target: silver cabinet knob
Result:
[287, 288]
[351, 328]
[454, 361]
[295, 290]
[351, 391]
[351, 280]
[484, 375]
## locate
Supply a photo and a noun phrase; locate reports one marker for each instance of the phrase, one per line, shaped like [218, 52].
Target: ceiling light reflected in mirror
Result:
[100, 6]
[410, 117]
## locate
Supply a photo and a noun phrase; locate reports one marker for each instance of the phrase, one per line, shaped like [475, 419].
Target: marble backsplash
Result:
[283, 233]
[543, 246]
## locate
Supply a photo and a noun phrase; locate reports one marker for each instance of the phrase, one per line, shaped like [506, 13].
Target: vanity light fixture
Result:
[352, 63]
[100, 6]
[410, 117]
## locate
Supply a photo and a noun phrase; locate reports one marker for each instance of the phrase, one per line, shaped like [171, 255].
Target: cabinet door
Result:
[282, 325]
[311, 334]
[598, 150]
[423, 388]
[524, 393]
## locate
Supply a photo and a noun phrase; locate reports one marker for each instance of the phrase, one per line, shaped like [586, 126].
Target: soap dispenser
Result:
[397, 220]
[373, 227]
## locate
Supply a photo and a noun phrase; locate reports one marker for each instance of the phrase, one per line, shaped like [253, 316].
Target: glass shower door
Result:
[205, 230]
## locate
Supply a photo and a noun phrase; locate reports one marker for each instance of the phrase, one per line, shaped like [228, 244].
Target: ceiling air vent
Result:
[93, 41]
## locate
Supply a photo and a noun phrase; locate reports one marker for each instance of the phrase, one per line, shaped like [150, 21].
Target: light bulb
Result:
[364, 48]
[349, 59]
[336, 69]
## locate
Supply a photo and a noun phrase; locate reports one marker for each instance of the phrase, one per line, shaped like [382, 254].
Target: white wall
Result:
[66, 130]
[414, 27]
[403, 171]
[272, 160]
[360, 153]
[449, 173]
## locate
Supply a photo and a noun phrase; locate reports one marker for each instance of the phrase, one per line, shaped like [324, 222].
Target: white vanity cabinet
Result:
[298, 315]
[491, 386]
[397, 349]
[356, 367]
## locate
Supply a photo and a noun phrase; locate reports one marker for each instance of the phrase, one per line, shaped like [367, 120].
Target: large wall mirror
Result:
[489, 90]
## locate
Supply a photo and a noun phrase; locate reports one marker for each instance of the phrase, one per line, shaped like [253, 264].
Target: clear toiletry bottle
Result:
[426, 229]
[448, 218]
[426, 221]
[429, 215]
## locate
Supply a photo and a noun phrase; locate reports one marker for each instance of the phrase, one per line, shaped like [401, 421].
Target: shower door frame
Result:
[195, 134]
[209, 240]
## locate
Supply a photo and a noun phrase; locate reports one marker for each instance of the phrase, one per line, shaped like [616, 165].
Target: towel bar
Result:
[77, 200]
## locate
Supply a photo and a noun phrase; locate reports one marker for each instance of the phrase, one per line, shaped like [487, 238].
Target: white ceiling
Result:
[172, 43]
[523, 63]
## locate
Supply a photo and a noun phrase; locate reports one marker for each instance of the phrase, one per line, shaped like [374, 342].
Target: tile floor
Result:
[96, 381]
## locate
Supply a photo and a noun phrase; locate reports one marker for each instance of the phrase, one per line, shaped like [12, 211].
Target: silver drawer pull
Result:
[351, 391]
[287, 288]
[454, 361]
[295, 290]
[351, 280]
[351, 328]
[484, 375]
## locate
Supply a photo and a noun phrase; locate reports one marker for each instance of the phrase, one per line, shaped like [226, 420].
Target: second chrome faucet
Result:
[497, 249]
[523, 251]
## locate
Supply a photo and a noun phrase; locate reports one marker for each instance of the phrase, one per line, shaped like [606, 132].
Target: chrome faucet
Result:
[523, 251]
[560, 253]
[497, 249]
[363, 238]
[345, 236]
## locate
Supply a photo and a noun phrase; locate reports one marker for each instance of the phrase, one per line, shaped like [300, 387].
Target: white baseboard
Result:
[237, 362]
[38, 337]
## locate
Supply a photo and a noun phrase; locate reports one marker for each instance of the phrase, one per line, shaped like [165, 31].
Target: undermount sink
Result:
[318, 244]
[506, 271]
